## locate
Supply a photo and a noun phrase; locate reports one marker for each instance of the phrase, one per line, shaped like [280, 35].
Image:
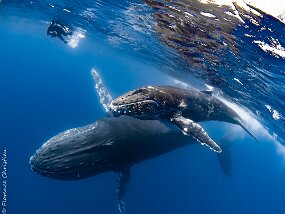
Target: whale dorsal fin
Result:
[208, 92]
[189, 127]
[123, 181]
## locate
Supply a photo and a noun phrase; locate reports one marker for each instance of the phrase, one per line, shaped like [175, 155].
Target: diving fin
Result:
[123, 181]
[189, 127]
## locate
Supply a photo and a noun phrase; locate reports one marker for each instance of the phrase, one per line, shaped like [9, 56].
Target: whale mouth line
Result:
[39, 170]
[43, 171]
[118, 106]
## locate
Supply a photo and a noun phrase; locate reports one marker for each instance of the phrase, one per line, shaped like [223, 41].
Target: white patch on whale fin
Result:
[189, 127]
[104, 95]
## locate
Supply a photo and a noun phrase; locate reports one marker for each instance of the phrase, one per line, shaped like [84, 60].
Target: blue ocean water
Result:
[47, 88]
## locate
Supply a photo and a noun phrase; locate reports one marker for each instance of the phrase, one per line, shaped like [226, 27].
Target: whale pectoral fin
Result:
[189, 127]
[105, 97]
[123, 181]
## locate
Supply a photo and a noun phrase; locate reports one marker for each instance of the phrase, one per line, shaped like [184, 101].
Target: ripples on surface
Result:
[233, 47]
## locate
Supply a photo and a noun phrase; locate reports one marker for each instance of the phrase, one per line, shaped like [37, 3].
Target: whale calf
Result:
[183, 107]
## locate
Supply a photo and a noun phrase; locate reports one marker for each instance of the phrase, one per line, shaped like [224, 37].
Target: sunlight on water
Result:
[227, 46]
[275, 48]
[274, 7]
[275, 114]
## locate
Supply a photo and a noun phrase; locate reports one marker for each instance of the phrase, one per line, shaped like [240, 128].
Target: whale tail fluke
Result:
[225, 157]
[225, 160]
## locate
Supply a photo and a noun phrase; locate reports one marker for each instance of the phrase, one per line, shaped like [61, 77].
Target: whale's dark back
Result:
[202, 106]
[108, 145]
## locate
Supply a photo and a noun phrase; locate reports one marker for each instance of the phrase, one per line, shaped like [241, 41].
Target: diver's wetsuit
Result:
[57, 30]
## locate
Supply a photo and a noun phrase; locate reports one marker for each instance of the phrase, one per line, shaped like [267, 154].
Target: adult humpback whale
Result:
[184, 108]
[110, 144]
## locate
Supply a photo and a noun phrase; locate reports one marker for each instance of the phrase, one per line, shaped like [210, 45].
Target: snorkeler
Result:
[56, 29]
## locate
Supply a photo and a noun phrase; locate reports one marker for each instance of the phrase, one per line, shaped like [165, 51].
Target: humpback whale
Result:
[110, 144]
[183, 107]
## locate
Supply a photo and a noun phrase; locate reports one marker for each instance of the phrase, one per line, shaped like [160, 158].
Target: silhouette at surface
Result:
[57, 29]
